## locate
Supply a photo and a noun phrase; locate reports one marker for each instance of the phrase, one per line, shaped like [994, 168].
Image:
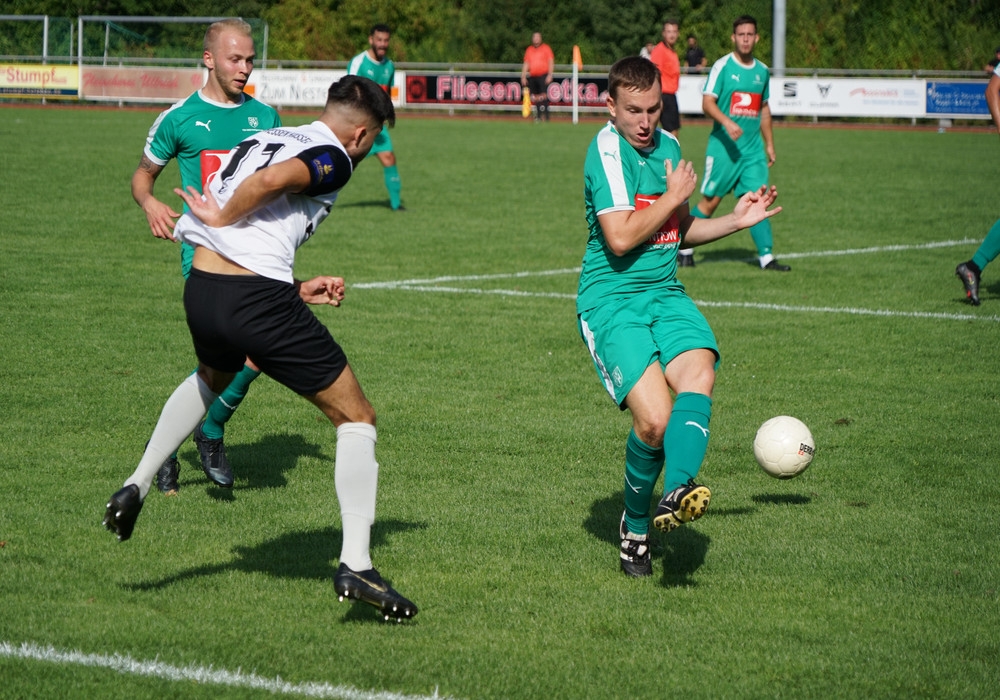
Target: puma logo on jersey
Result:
[204, 124]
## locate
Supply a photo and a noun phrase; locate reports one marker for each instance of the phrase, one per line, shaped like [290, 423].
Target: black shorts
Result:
[670, 117]
[537, 86]
[232, 317]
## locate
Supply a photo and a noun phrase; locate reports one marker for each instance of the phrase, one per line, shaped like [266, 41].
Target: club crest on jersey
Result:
[745, 104]
[668, 234]
[253, 121]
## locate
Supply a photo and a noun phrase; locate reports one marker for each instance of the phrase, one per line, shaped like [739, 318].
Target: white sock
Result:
[356, 479]
[765, 259]
[181, 414]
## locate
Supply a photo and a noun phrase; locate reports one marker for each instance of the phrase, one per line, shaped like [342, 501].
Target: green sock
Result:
[697, 213]
[223, 408]
[642, 468]
[686, 439]
[762, 238]
[989, 248]
[392, 184]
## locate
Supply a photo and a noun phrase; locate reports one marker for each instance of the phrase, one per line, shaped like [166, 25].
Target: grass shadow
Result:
[259, 465]
[781, 499]
[306, 555]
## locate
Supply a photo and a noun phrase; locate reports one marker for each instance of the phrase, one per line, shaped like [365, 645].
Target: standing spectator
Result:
[373, 64]
[971, 270]
[647, 50]
[695, 57]
[536, 74]
[242, 299]
[653, 350]
[664, 56]
[197, 131]
[741, 145]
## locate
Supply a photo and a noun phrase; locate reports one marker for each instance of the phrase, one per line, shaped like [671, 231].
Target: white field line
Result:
[433, 284]
[199, 674]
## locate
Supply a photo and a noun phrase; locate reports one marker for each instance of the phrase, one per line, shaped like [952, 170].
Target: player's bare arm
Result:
[767, 133]
[624, 230]
[752, 208]
[160, 216]
[993, 99]
[710, 106]
[258, 190]
[322, 290]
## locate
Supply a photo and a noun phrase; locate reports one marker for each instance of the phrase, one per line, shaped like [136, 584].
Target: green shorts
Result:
[383, 142]
[626, 336]
[725, 172]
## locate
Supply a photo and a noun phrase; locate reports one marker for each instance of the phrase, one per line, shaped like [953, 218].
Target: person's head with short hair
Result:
[228, 54]
[378, 41]
[536, 39]
[671, 32]
[357, 109]
[634, 99]
[744, 37]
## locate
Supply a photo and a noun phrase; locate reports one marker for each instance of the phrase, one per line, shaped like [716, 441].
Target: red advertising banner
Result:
[139, 84]
[480, 89]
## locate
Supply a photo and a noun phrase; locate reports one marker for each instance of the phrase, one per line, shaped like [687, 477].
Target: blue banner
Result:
[957, 99]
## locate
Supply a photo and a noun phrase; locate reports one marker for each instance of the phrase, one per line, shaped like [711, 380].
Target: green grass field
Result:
[874, 574]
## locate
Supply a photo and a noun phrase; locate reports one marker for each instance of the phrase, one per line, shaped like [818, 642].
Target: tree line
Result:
[849, 34]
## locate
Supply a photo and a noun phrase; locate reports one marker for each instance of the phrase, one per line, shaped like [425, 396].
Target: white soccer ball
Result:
[784, 447]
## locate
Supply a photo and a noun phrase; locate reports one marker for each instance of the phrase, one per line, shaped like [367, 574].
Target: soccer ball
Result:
[784, 447]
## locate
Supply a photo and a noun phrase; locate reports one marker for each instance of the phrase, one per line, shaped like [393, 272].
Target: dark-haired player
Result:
[242, 300]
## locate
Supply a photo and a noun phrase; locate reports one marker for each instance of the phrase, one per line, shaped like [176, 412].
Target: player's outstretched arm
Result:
[752, 208]
[993, 99]
[160, 216]
[322, 290]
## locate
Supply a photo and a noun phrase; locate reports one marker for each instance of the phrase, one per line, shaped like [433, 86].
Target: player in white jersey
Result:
[242, 301]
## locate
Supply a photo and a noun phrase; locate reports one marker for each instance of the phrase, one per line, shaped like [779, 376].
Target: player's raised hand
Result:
[752, 208]
[203, 206]
[322, 290]
[681, 180]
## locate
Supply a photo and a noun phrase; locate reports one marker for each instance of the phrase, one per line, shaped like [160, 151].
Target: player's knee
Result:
[650, 428]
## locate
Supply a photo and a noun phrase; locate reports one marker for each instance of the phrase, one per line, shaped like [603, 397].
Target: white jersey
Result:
[265, 241]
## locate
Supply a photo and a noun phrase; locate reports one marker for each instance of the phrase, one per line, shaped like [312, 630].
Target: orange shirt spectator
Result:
[539, 60]
[670, 67]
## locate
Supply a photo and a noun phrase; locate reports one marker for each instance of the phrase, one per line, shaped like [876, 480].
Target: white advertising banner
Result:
[848, 97]
[293, 88]
[302, 88]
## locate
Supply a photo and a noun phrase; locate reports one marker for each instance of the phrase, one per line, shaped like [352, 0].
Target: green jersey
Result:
[618, 177]
[741, 93]
[198, 131]
[382, 72]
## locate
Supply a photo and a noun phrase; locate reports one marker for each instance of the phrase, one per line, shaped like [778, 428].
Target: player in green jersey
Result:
[374, 64]
[652, 348]
[197, 131]
[741, 146]
[971, 270]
